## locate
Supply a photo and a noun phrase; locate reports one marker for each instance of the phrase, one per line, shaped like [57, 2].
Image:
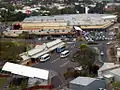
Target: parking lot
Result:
[56, 63]
[101, 35]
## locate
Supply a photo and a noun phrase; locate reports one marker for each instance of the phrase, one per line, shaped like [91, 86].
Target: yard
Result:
[9, 51]
[3, 81]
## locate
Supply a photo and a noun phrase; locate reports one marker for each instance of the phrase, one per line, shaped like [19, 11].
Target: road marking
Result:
[55, 60]
[62, 65]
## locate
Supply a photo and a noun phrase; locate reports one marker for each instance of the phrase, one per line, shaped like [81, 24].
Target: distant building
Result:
[35, 53]
[62, 24]
[86, 83]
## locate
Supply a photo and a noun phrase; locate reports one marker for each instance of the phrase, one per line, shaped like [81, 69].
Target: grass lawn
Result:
[3, 80]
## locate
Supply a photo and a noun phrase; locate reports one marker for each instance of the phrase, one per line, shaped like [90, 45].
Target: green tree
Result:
[112, 52]
[24, 84]
[54, 11]
[117, 10]
[24, 35]
[10, 51]
[116, 85]
[13, 88]
[85, 57]
[34, 13]
[79, 8]
[67, 10]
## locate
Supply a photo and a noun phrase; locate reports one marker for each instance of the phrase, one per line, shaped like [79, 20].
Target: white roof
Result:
[83, 81]
[53, 43]
[36, 50]
[48, 50]
[42, 49]
[26, 71]
[71, 19]
[116, 71]
[107, 66]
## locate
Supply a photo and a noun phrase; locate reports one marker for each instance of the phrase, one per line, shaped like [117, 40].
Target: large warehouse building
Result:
[63, 24]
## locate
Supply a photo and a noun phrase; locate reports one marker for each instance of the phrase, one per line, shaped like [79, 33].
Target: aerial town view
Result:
[59, 44]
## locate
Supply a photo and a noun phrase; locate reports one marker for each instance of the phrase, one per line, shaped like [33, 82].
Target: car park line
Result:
[55, 60]
[62, 65]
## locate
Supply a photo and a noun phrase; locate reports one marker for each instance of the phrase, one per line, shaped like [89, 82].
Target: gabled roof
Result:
[26, 71]
[42, 49]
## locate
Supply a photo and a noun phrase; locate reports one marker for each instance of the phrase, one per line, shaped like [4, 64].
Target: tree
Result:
[67, 10]
[116, 85]
[118, 14]
[79, 8]
[24, 84]
[54, 11]
[20, 16]
[24, 35]
[34, 13]
[85, 57]
[10, 51]
[99, 8]
[112, 51]
[83, 47]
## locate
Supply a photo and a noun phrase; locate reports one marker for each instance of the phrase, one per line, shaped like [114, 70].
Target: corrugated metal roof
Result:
[72, 19]
[26, 71]
[42, 49]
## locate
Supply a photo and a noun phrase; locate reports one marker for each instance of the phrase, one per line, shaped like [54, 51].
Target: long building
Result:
[40, 50]
[62, 24]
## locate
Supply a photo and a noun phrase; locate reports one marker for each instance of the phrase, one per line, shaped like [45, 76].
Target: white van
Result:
[44, 57]
[64, 53]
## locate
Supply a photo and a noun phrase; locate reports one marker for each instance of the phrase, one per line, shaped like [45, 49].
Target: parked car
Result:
[64, 53]
[101, 53]
[44, 57]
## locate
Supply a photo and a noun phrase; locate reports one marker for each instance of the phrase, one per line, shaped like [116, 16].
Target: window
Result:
[46, 57]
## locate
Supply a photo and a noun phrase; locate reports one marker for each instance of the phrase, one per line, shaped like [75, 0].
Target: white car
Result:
[109, 43]
[40, 39]
[64, 53]
[102, 53]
